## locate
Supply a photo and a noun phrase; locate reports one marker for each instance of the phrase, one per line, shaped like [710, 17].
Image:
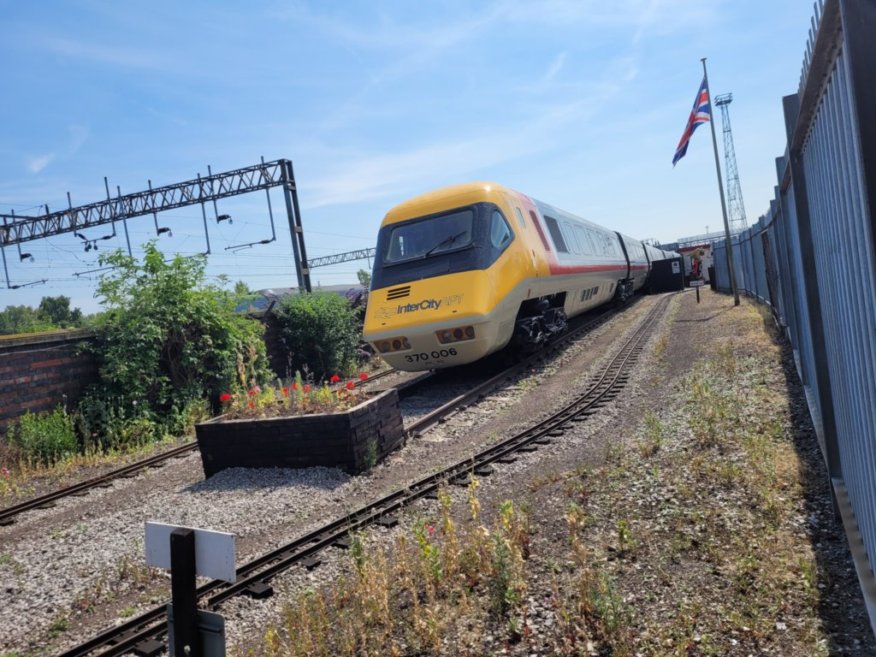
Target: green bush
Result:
[45, 438]
[320, 333]
[167, 343]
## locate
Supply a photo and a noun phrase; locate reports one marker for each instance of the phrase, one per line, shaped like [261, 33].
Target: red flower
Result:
[251, 404]
[430, 529]
[335, 378]
[253, 392]
[306, 387]
[285, 391]
[351, 385]
[224, 397]
[294, 386]
[363, 376]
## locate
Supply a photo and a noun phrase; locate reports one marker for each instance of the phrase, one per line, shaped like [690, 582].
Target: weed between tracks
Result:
[409, 599]
[690, 538]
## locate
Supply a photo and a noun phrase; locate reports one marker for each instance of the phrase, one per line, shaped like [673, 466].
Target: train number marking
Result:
[438, 353]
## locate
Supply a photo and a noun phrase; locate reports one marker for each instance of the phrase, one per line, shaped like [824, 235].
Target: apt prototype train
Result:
[463, 271]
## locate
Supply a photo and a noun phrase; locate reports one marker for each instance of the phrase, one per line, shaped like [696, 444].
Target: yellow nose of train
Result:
[431, 323]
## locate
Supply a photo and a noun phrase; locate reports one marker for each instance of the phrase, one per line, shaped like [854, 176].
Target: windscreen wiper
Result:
[447, 241]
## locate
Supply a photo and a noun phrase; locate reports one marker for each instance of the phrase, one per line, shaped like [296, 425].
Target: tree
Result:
[56, 310]
[168, 339]
[22, 319]
[364, 278]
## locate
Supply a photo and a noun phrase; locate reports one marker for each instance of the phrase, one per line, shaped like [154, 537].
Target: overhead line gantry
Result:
[17, 229]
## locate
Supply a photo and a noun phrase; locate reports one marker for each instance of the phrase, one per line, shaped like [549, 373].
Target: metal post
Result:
[124, 221]
[204, 214]
[295, 227]
[730, 262]
[186, 642]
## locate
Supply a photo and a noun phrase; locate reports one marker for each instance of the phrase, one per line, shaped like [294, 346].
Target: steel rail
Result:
[7, 515]
[142, 634]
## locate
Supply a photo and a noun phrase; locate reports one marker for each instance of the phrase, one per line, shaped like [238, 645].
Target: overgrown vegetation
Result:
[167, 346]
[408, 600]
[320, 333]
[46, 438]
[168, 341]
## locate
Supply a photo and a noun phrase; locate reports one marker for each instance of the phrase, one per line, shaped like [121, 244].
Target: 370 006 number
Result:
[443, 353]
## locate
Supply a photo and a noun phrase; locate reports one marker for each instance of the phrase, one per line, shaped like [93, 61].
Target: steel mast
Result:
[738, 222]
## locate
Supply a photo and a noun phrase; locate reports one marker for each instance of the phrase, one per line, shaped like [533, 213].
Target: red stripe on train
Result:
[557, 270]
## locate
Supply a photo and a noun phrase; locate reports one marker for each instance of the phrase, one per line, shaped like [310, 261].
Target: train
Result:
[464, 271]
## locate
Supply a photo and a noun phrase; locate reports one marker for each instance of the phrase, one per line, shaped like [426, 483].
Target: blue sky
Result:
[579, 103]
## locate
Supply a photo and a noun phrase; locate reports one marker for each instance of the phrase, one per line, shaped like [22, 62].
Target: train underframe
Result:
[624, 291]
[539, 320]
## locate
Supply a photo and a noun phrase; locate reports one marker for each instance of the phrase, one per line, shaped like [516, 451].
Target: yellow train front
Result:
[462, 271]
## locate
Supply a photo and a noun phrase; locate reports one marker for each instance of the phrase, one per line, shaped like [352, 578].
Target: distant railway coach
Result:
[463, 271]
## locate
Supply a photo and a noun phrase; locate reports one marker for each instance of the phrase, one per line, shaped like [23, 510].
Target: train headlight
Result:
[392, 344]
[459, 334]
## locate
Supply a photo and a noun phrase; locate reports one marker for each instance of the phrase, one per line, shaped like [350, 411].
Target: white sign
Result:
[697, 283]
[214, 551]
[676, 267]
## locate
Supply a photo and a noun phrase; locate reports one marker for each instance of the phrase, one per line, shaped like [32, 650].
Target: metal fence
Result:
[812, 258]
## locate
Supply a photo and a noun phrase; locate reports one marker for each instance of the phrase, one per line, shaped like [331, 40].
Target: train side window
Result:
[500, 231]
[571, 238]
[584, 240]
[593, 236]
[556, 234]
[519, 217]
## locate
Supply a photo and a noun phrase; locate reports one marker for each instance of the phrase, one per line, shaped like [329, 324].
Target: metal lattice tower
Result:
[736, 207]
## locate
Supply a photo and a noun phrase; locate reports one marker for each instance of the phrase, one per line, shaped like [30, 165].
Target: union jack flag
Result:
[701, 113]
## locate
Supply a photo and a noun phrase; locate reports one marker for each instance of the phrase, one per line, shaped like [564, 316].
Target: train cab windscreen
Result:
[463, 239]
[421, 239]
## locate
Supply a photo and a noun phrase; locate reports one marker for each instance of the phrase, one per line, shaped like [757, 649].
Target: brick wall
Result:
[40, 371]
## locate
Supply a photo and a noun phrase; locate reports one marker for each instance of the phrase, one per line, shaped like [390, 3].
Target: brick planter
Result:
[353, 440]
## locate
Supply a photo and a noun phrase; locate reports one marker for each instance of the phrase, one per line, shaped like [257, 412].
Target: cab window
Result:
[431, 236]
[500, 233]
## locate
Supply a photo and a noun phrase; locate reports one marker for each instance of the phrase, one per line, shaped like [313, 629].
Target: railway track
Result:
[142, 635]
[8, 515]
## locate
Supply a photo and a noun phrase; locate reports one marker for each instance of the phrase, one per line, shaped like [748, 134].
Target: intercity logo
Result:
[425, 304]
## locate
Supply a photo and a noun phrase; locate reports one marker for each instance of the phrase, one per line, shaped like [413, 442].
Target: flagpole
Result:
[731, 265]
